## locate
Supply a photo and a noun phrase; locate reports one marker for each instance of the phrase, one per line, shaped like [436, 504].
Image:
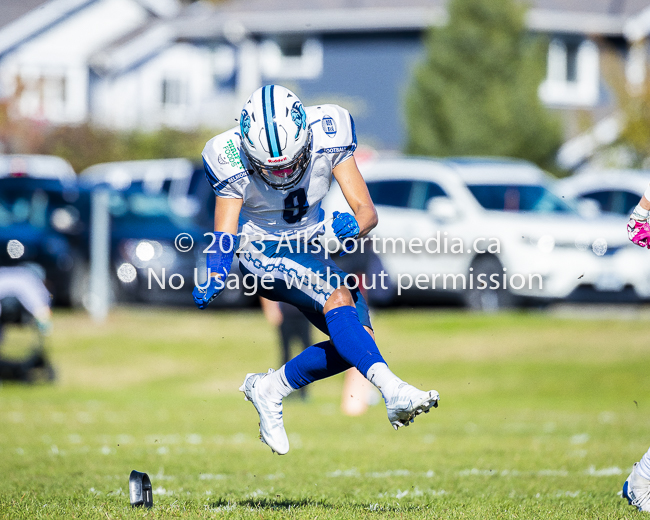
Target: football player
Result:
[270, 175]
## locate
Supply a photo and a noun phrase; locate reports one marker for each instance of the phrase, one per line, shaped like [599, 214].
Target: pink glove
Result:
[638, 232]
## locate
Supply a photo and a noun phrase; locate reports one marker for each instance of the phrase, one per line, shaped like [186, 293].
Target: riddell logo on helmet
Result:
[277, 160]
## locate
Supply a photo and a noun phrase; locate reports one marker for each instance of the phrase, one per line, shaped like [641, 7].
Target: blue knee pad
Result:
[352, 341]
[316, 362]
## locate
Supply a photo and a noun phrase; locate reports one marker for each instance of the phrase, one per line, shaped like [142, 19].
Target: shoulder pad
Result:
[333, 129]
[222, 161]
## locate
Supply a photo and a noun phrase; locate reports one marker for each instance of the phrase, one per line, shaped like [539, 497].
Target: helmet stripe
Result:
[269, 121]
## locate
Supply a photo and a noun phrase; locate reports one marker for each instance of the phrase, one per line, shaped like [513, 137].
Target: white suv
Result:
[511, 226]
[613, 191]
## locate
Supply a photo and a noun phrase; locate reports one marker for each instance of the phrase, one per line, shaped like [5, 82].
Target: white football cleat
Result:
[409, 402]
[637, 491]
[269, 408]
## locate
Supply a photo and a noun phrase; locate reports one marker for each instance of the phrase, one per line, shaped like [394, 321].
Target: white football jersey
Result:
[269, 212]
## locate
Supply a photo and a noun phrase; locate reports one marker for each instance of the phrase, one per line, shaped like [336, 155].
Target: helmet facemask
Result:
[283, 176]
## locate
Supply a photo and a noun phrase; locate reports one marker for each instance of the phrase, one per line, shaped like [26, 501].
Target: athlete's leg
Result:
[286, 266]
[346, 317]
[356, 345]
[330, 306]
[267, 391]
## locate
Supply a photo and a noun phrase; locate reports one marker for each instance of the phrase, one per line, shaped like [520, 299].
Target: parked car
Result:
[44, 221]
[151, 203]
[37, 167]
[535, 234]
[614, 191]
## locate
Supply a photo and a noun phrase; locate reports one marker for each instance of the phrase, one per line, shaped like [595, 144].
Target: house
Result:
[46, 49]
[195, 66]
[361, 53]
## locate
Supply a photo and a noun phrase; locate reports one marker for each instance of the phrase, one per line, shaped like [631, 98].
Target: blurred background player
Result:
[292, 327]
[24, 300]
[358, 393]
[270, 175]
[636, 488]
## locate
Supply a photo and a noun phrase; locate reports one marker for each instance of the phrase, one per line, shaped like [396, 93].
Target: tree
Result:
[635, 136]
[631, 148]
[476, 91]
[85, 145]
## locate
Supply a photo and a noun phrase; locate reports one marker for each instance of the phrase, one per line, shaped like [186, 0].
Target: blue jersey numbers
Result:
[295, 206]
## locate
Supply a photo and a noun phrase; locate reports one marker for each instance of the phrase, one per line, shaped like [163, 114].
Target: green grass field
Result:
[540, 417]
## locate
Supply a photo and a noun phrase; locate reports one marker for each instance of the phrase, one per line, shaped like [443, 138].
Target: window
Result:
[291, 46]
[291, 57]
[614, 201]
[572, 73]
[172, 92]
[43, 95]
[518, 198]
[572, 62]
[423, 192]
[390, 193]
[225, 68]
[404, 194]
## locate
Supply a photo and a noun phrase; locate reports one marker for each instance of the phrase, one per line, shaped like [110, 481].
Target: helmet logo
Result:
[272, 160]
[299, 117]
[245, 125]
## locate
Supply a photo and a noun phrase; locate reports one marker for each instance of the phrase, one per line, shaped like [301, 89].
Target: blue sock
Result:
[316, 362]
[352, 341]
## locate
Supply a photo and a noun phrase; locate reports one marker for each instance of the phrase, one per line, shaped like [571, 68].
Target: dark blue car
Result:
[44, 222]
[148, 263]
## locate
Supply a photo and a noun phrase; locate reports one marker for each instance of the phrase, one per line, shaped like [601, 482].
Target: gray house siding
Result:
[368, 74]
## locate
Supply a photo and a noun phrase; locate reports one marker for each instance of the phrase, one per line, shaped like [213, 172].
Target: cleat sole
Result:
[425, 406]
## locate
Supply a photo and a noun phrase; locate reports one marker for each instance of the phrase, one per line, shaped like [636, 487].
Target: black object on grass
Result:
[140, 489]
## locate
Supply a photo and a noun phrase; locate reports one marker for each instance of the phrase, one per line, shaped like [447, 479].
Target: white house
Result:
[150, 63]
[45, 52]
[152, 80]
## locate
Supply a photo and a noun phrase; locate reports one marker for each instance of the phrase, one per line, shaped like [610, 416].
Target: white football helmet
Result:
[276, 136]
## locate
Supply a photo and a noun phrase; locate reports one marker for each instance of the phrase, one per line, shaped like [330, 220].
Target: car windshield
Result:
[34, 201]
[518, 198]
[620, 202]
[124, 206]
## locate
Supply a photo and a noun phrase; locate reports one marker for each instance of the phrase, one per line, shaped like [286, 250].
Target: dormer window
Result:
[572, 73]
[291, 57]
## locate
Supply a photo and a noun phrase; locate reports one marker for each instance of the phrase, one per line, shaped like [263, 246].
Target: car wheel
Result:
[486, 299]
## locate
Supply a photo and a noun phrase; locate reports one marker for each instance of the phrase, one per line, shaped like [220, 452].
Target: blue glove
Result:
[218, 261]
[204, 295]
[345, 226]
